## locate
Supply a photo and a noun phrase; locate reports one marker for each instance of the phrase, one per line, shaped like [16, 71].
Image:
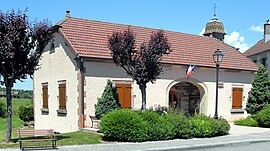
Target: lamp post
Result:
[217, 57]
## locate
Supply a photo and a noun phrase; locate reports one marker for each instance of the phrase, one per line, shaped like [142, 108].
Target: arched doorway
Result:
[185, 97]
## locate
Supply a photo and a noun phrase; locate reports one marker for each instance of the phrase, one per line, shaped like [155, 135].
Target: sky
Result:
[243, 19]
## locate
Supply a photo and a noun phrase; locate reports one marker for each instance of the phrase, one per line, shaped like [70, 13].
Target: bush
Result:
[124, 125]
[26, 113]
[181, 125]
[158, 127]
[108, 102]
[2, 110]
[263, 118]
[247, 122]
[128, 125]
[204, 126]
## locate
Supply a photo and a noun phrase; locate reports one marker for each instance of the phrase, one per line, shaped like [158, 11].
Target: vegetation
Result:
[108, 102]
[2, 110]
[263, 118]
[21, 46]
[143, 63]
[26, 113]
[247, 122]
[259, 95]
[134, 126]
[22, 94]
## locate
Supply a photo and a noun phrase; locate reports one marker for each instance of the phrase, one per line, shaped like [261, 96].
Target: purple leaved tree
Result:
[143, 64]
[21, 46]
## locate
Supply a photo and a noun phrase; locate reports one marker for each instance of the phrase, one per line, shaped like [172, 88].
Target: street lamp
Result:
[217, 57]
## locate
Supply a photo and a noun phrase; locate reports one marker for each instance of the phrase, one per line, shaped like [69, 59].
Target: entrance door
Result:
[124, 94]
[237, 98]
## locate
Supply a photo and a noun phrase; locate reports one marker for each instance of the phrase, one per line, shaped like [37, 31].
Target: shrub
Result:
[181, 125]
[109, 101]
[260, 91]
[158, 127]
[2, 110]
[26, 113]
[204, 126]
[247, 122]
[263, 117]
[124, 125]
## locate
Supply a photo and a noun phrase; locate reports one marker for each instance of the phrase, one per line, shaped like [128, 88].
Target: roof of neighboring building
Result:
[259, 47]
[89, 38]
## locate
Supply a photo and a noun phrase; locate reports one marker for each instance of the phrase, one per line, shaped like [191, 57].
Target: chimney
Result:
[67, 13]
[266, 31]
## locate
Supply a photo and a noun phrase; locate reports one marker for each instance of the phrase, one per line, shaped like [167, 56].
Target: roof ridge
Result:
[122, 24]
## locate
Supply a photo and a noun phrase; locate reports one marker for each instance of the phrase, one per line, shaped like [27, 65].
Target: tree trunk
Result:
[142, 87]
[9, 113]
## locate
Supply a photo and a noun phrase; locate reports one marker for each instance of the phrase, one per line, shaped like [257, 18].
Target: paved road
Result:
[265, 146]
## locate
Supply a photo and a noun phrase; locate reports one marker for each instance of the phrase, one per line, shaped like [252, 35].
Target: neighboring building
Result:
[77, 63]
[260, 52]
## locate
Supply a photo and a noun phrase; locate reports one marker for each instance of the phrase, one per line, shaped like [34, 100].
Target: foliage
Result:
[259, 95]
[143, 63]
[26, 113]
[158, 127]
[263, 118]
[2, 110]
[124, 125]
[182, 125]
[109, 101]
[21, 46]
[247, 122]
[128, 125]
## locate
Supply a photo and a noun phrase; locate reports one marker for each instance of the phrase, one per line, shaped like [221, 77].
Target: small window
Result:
[52, 49]
[62, 95]
[264, 62]
[45, 95]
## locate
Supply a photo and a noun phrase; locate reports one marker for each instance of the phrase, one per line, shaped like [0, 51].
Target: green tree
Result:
[143, 64]
[21, 46]
[108, 102]
[259, 95]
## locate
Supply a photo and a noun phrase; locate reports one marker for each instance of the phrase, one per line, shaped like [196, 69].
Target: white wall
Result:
[56, 66]
[97, 74]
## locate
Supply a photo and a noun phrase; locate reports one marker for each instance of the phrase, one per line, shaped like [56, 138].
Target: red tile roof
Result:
[259, 47]
[89, 39]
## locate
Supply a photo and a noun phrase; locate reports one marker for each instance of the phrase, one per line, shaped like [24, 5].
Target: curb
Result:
[212, 145]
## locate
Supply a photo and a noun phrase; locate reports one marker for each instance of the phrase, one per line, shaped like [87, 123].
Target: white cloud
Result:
[234, 39]
[257, 28]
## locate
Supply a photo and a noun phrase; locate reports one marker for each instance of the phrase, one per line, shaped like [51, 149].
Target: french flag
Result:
[190, 70]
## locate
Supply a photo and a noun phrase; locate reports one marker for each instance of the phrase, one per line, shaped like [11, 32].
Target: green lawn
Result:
[80, 137]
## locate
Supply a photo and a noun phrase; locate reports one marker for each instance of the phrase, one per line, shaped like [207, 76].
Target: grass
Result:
[80, 137]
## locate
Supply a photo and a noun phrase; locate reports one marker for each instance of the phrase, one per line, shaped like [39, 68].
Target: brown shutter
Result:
[124, 94]
[62, 96]
[237, 98]
[45, 95]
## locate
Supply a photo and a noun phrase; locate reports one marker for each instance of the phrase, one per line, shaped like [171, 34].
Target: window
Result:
[237, 98]
[62, 95]
[45, 95]
[124, 94]
[264, 61]
[255, 61]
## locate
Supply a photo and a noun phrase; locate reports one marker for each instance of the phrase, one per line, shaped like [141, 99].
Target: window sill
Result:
[61, 112]
[237, 111]
[44, 111]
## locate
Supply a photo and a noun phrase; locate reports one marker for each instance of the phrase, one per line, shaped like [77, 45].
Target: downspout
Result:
[82, 91]
[80, 64]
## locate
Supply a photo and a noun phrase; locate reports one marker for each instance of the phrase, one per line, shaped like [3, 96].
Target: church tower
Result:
[214, 28]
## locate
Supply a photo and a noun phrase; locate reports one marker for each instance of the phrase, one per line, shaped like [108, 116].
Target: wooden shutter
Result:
[62, 96]
[124, 94]
[237, 98]
[45, 95]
